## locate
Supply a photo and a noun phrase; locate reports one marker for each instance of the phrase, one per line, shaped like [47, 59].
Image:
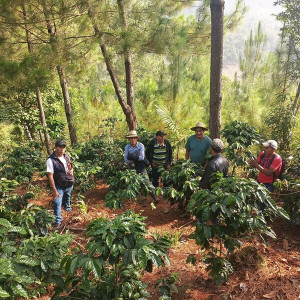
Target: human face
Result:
[269, 151]
[133, 141]
[199, 133]
[60, 150]
[160, 139]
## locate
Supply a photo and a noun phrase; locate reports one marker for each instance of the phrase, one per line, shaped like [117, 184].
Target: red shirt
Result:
[265, 163]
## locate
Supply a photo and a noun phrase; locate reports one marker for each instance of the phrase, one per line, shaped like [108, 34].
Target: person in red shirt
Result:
[268, 163]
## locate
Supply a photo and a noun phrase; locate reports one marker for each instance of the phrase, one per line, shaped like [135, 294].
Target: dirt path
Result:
[277, 278]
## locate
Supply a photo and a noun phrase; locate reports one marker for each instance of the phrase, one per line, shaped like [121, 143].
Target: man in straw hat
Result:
[197, 144]
[134, 157]
[134, 152]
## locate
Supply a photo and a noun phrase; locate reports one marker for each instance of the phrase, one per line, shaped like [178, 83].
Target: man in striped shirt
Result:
[159, 153]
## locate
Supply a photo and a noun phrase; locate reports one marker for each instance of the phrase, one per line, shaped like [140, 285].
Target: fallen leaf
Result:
[268, 296]
[246, 276]
[285, 244]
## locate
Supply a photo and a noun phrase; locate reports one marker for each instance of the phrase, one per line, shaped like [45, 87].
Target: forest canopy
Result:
[76, 69]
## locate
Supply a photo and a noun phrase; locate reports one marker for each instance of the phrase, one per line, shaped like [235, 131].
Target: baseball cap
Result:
[217, 144]
[160, 133]
[60, 143]
[270, 143]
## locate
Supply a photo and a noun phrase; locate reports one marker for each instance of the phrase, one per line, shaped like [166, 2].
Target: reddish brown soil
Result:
[278, 277]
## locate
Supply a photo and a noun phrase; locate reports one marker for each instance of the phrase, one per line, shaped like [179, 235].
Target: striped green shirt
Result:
[159, 154]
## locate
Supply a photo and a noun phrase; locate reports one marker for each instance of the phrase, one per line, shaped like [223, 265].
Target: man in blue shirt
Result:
[197, 145]
[134, 157]
[134, 150]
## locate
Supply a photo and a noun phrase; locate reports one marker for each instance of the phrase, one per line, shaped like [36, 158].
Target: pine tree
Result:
[217, 18]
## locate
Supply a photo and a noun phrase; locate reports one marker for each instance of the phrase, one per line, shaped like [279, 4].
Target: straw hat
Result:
[199, 125]
[132, 133]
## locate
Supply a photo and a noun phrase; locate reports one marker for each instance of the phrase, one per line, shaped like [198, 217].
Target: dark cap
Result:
[160, 133]
[60, 143]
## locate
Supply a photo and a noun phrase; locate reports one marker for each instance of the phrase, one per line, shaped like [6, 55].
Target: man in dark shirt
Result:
[217, 163]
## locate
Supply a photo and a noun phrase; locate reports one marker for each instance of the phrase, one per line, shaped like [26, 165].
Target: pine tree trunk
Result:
[43, 119]
[68, 108]
[37, 89]
[217, 16]
[127, 110]
[29, 136]
[62, 78]
[128, 63]
[296, 105]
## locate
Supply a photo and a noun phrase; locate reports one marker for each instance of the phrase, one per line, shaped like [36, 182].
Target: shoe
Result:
[152, 194]
[56, 227]
[68, 209]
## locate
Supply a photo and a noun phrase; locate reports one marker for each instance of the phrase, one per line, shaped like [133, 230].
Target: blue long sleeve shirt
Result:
[139, 148]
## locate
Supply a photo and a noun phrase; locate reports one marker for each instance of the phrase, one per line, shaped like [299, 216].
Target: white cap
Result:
[270, 143]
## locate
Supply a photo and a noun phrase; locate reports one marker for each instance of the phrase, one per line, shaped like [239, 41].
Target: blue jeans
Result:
[269, 186]
[156, 175]
[64, 200]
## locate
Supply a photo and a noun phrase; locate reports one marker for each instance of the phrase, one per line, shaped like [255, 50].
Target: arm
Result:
[142, 151]
[187, 154]
[187, 149]
[205, 181]
[149, 152]
[126, 154]
[170, 153]
[52, 184]
[255, 164]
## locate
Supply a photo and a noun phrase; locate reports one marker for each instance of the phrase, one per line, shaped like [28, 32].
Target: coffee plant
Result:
[21, 163]
[239, 136]
[167, 287]
[85, 175]
[26, 258]
[36, 220]
[110, 266]
[289, 193]
[126, 184]
[294, 168]
[27, 263]
[6, 186]
[233, 208]
[183, 179]
[100, 152]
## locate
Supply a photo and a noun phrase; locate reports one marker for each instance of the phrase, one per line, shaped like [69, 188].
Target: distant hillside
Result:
[258, 10]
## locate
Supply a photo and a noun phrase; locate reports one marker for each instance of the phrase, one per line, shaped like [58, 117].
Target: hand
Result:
[168, 167]
[55, 195]
[71, 172]
[132, 164]
[154, 165]
[253, 162]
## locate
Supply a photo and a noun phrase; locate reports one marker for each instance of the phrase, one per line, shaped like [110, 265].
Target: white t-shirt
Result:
[50, 168]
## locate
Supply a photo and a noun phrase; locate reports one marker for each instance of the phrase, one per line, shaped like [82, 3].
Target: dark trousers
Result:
[156, 175]
[270, 188]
